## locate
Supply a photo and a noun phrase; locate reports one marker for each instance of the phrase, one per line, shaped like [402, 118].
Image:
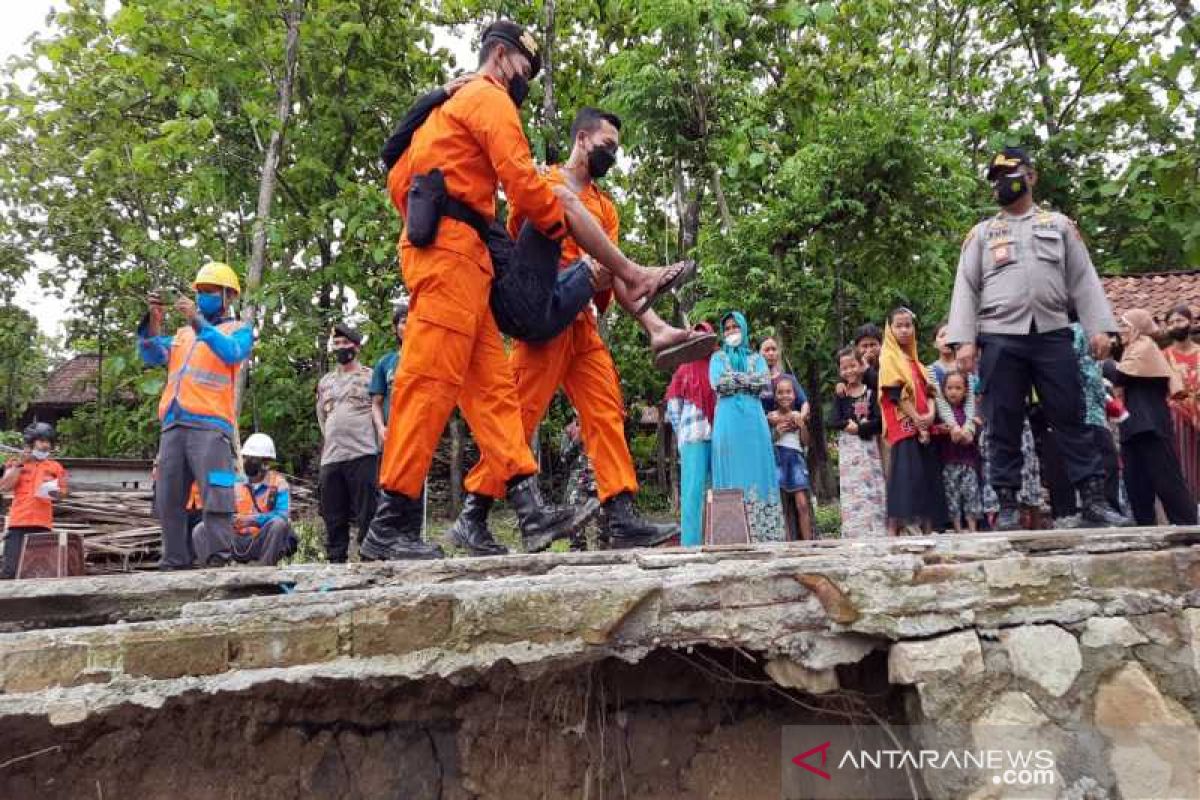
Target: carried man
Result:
[444, 185]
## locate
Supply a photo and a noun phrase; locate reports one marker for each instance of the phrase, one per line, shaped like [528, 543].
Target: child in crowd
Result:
[691, 406]
[742, 454]
[855, 415]
[1152, 469]
[791, 433]
[960, 454]
[914, 485]
[868, 341]
[36, 482]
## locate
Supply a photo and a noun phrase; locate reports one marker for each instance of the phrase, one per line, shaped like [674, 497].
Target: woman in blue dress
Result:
[743, 456]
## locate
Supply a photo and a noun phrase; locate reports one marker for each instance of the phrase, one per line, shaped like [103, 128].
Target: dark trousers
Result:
[186, 456]
[1008, 367]
[532, 300]
[1152, 470]
[13, 539]
[348, 492]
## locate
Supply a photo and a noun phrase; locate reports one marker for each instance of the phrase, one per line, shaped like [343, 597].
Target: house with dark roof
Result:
[1156, 292]
[69, 386]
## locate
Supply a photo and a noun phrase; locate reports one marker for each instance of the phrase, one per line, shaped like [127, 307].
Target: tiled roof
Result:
[1156, 292]
[71, 383]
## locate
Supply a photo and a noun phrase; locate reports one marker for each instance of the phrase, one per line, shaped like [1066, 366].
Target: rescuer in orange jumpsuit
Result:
[453, 353]
[578, 361]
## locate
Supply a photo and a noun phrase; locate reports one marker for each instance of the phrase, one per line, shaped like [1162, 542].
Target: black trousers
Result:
[13, 539]
[1009, 366]
[348, 492]
[1152, 470]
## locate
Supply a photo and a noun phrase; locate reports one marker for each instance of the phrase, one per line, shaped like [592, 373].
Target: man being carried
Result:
[453, 353]
[578, 361]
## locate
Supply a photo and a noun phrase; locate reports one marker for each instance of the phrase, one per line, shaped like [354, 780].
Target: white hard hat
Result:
[259, 445]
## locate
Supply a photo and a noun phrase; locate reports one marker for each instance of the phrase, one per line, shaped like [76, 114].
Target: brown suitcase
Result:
[51, 555]
[725, 518]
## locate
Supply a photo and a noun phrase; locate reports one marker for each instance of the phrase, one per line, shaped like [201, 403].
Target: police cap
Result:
[516, 36]
[1007, 160]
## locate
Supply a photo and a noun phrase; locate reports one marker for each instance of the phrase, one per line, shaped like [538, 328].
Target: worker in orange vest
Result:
[198, 406]
[444, 185]
[578, 361]
[262, 532]
[36, 482]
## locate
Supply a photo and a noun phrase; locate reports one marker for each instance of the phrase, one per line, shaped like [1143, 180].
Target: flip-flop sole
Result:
[694, 349]
[686, 274]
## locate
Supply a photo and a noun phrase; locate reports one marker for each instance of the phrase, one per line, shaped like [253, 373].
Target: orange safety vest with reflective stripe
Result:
[245, 505]
[201, 383]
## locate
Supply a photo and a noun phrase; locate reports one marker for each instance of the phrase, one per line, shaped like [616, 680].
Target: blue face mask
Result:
[209, 303]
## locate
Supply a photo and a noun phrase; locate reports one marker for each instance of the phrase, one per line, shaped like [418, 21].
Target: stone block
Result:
[788, 673]
[1111, 632]
[1155, 743]
[1191, 632]
[400, 629]
[170, 654]
[283, 647]
[953, 655]
[1046, 655]
[41, 665]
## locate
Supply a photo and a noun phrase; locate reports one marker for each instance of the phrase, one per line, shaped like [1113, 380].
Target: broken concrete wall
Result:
[194, 672]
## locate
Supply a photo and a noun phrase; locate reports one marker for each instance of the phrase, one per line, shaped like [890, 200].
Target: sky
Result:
[21, 19]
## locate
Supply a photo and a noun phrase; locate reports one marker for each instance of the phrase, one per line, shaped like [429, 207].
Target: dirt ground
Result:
[672, 727]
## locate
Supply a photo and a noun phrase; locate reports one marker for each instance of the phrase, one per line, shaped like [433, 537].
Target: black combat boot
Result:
[395, 532]
[1097, 511]
[1009, 518]
[470, 530]
[541, 523]
[626, 529]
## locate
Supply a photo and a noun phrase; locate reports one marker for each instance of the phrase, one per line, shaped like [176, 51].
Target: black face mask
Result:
[345, 355]
[601, 160]
[1010, 188]
[1118, 349]
[518, 89]
[1179, 334]
[254, 467]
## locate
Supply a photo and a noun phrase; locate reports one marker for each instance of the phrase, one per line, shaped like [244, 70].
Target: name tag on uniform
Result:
[1002, 252]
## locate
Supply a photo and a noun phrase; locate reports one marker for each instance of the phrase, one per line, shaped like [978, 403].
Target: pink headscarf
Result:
[690, 382]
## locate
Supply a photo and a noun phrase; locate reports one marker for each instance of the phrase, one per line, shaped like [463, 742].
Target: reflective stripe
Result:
[199, 385]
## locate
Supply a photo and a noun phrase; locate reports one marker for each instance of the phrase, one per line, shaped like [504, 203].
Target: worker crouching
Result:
[261, 531]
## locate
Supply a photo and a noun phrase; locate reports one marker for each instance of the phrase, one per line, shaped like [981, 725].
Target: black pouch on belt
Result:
[426, 202]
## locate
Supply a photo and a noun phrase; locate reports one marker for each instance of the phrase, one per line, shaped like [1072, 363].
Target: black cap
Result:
[1006, 160]
[342, 329]
[515, 35]
[39, 430]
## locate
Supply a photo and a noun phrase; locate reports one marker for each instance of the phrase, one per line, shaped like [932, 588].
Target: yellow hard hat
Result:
[217, 274]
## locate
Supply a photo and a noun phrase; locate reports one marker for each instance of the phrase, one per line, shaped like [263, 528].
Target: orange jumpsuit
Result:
[579, 362]
[452, 350]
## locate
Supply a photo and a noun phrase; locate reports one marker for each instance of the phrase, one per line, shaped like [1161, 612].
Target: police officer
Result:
[1019, 275]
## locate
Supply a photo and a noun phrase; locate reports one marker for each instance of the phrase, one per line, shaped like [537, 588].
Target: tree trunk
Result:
[661, 472]
[550, 131]
[456, 465]
[266, 183]
[818, 449]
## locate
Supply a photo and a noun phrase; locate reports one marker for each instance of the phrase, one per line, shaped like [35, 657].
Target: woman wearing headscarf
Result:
[691, 407]
[914, 487]
[743, 456]
[1151, 464]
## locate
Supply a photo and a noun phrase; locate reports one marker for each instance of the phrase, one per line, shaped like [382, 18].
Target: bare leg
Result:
[972, 526]
[661, 333]
[804, 515]
[592, 240]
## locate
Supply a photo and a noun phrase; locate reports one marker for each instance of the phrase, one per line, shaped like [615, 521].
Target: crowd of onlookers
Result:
[912, 438]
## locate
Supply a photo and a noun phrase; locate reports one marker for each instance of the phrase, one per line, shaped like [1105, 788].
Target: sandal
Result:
[686, 273]
[698, 345]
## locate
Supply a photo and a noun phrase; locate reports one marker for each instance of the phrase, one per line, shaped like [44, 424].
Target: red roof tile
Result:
[1156, 292]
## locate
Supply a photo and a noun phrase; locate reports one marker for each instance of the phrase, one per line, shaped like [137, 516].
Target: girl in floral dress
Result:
[856, 417]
